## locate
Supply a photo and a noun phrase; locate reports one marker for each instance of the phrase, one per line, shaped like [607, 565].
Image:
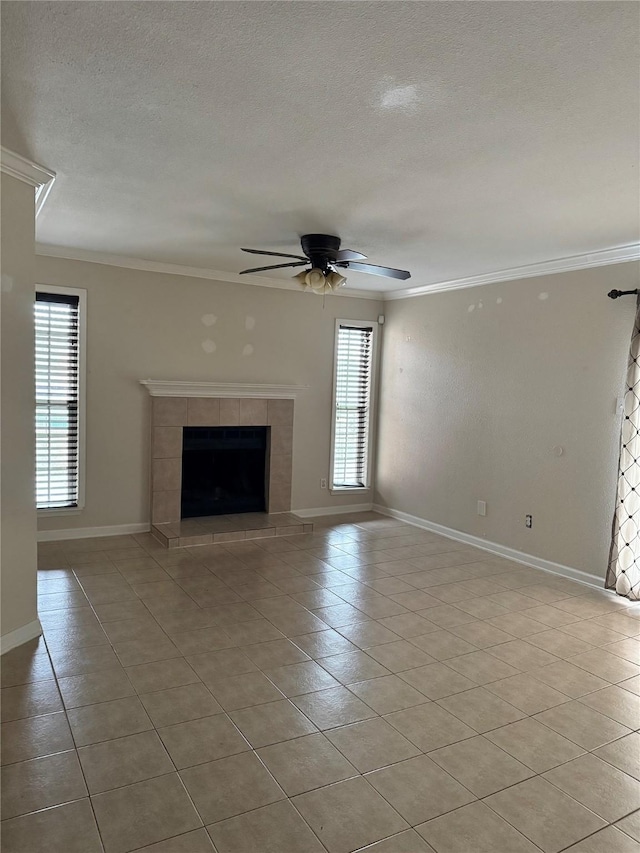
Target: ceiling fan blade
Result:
[350, 255]
[275, 254]
[376, 270]
[301, 263]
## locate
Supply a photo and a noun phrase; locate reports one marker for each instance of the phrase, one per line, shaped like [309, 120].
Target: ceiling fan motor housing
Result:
[321, 249]
[323, 253]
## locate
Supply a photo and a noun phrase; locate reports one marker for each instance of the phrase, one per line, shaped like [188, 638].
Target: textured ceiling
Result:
[451, 139]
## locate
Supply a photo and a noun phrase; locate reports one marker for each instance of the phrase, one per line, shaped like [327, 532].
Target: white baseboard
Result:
[21, 635]
[495, 548]
[90, 532]
[332, 510]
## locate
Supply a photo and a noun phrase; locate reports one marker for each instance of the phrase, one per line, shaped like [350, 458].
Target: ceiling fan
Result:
[322, 253]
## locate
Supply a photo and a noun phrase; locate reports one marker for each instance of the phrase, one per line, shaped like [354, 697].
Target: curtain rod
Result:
[614, 294]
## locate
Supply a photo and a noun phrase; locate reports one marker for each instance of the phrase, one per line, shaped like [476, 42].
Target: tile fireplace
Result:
[174, 416]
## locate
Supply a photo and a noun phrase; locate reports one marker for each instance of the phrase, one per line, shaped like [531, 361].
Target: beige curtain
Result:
[623, 574]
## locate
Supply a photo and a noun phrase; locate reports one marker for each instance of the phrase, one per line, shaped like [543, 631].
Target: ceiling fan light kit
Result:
[318, 281]
[323, 254]
[335, 280]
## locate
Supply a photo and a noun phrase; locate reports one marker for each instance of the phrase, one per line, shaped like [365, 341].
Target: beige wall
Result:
[145, 325]
[471, 407]
[18, 559]
[480, 385]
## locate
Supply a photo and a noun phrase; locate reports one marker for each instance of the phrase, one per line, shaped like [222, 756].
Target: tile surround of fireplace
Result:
[171, 414]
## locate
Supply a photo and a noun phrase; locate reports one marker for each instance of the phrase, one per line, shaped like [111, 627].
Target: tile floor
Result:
[368, 686]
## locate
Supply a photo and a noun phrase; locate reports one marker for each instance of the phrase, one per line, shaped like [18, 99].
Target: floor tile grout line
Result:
[253, 751]
[624, 830]
[163, 747]
[362, 775]
[75, 748]
[535, 717]
[365, 652]
[481, 800]
[540, 776]
[551, 782]
[286, 797]
[319, 731]
[46, 809]
[380, 716]
[444, 662]
[351, 778]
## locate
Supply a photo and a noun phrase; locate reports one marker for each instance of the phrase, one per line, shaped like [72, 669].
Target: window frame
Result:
[368, 486]
[81, 293]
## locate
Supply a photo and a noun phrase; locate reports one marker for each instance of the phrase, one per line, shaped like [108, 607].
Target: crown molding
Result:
[29, 172]
[178, 388]
[91, 257]
[602, 258]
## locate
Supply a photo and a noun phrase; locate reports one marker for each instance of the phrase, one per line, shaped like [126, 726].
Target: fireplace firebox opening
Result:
[224, 470]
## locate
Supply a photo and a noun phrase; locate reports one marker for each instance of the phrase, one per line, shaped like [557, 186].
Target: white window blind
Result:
[57, 400]
[354, 353]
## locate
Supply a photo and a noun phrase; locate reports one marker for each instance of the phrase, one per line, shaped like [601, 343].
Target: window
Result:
[352, 404]
[59, 328]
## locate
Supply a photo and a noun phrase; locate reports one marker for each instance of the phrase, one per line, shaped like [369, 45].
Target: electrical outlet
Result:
[482, 507]
[323, 482]
[528, 521]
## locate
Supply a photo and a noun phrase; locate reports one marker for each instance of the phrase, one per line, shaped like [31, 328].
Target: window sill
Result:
[349, 490]
[72, 510]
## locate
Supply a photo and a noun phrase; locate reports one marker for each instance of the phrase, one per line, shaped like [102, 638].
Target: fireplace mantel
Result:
[177, 388]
